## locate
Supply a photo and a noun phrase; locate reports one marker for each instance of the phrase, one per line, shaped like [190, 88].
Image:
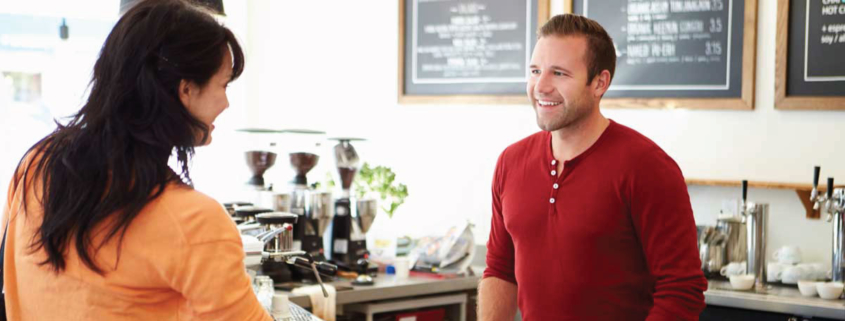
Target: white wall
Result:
[332, 65]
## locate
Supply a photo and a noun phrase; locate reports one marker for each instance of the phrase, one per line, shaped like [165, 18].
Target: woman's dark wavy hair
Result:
[111, 158]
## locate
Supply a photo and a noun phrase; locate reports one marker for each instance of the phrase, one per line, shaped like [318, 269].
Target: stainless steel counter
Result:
[776, 299]
[389, 287]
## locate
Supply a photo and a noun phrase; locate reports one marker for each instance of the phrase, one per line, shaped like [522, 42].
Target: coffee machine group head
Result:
[279, 259]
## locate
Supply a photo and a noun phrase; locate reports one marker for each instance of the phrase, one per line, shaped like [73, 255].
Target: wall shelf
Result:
[802, 190]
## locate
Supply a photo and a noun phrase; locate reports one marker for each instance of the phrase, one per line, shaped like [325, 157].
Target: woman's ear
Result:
[187, 92]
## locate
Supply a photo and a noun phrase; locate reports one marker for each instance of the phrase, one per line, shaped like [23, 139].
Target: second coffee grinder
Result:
[312, 206]
[349, 243]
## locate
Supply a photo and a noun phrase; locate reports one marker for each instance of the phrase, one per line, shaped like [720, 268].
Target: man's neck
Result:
[569, 142]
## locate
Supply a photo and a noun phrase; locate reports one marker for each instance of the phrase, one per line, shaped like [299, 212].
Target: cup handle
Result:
[777, 255]
[724, 270]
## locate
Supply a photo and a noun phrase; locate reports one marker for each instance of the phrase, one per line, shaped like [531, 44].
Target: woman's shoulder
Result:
[195, 215]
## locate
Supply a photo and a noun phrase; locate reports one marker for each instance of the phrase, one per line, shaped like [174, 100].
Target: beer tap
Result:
[833, 202]
[755, 216]
[821, 200]
[743, 209]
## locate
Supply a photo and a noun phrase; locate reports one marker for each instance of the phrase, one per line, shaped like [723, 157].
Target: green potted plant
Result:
[380, 182]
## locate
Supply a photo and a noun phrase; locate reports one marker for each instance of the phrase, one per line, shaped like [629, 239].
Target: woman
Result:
[98, 225]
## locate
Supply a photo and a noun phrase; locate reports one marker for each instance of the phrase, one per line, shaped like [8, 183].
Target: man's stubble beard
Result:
[573, 113]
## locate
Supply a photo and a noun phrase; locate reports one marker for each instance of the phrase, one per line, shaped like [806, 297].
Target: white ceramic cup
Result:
[789, 254]
[793, 274]
[815, 271]
[829, 290]
[733, 268]
[807, 288]
[774, 271]
[742, 282]
[402, 266]
[281, 307]
[821, 270]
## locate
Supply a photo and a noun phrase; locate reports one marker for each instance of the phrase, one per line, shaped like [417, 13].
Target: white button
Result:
[554, 162]
[552, 200]
[555, 186]
[554, 172]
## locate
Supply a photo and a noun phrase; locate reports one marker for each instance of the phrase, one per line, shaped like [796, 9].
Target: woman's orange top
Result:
[181, 259]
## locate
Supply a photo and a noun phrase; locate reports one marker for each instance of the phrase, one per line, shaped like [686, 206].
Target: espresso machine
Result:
[834, 204]
[246, 215]
[349, 243]
[230, 208]
[278, 258]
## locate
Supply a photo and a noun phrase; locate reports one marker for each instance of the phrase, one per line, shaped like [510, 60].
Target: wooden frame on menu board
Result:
[782, 99]
[744, 102]
[480, 98]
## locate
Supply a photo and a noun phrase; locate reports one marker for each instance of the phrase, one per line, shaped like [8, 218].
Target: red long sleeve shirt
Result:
[611, 238]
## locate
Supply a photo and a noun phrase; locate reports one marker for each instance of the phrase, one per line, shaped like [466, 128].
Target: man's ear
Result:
[187, 90]
[601, 82]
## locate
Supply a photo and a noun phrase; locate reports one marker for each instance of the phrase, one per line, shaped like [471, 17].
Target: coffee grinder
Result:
[349, 243]
[261, 152]
[313, 207]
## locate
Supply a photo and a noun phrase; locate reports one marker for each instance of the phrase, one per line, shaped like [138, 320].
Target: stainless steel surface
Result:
[299, 199]
[321, 210]
[279, 231]
[834, 204]
[703, 255]
[716, 258]
[366, 210]
[775, 299]
[735, 246]
[279, 240]
[837, 207]
[712, 250]
[719, 293]
[281, 202]
[454, 304]
[250, 228]
[390, 287]
[756, 223]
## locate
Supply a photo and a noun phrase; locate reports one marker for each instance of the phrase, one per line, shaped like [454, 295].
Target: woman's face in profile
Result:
[207, 102]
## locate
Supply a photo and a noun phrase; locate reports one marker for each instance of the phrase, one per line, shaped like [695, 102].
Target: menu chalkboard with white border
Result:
[467, 51]
[678, 54]
[810, 62]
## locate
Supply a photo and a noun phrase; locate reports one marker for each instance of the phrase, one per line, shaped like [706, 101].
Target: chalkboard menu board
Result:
[468, 51]
[685, 54]
[811, 55]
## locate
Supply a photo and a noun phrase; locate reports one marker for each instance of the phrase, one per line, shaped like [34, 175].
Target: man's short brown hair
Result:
[600, 53]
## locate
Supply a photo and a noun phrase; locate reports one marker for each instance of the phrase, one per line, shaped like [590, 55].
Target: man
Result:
[591, 220]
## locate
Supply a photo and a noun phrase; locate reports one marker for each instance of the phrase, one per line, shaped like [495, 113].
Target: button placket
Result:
[553, 193]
